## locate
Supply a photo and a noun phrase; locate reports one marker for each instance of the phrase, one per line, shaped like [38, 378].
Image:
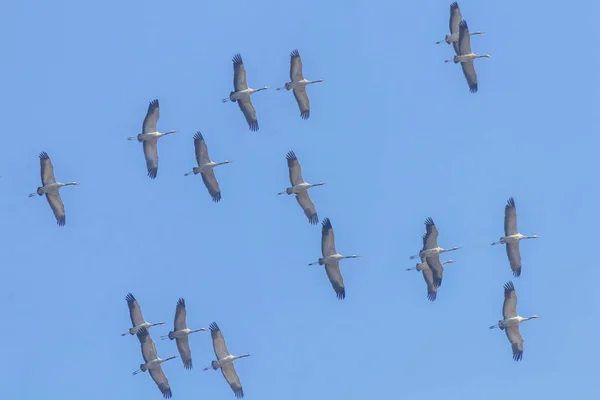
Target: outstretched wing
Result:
[514, 257]
[437, 269]
[200, 149]
[183, 346]
[211, 183]
[151, 118]
[218, 341]
[464, 38]
[233, 379]
[327, 239]
[151, 156]
[455, 18]
[161, 380]
[239, 74]
[294, 169]
[308, 207]
[249, 112]
[46, 168]
[431, 288]
[510, 218]
[180, 315]
[148, 348]
[468, 68]
[295, 66]
[58, 208]
[431, 235]
[516, 340]
[335, 277]
[509, 307]
[135, 311]
[303, 102]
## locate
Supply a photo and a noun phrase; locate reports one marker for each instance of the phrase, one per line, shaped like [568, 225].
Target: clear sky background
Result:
[393, 131]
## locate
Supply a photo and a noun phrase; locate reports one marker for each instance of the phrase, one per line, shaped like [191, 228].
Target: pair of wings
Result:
[333, 269]
[509, 310]
[183, 345]
[208, 177]
[510, 228]
[56, 204]
[149, 354]
[433, 262]
[303, 197]
[221, 352]
[239, 83]
[151, 146]
[300, 92]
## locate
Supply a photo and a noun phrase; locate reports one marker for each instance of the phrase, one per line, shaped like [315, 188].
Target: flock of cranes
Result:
[460, 37]
[430, 264]
[433, 271]
[180, 333]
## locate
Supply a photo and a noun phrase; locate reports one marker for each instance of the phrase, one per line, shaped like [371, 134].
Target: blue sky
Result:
[393, 131]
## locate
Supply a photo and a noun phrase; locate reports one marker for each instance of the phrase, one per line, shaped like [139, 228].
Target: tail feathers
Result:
[215, 365]
[288, 86]
[231, 97]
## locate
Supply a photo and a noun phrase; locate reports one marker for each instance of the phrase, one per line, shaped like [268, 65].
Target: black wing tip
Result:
[463, 24]
[473, 88]
[518, 356]
[517, 272]
[239, 393]
[61, 221]
[509, 286]
[198, 136]
[44, 156]
[295, 53]
[253, 126]
[305, 114]
[510, 202]
[181, 302]
[187, 365]
[237, 59]
[453, 5]
[153, 104]
[326, 225]
[290, 156]
[431, 296]
[216, 197]
[341, 294]
[129, 297]
[313, 219]
[437, 282]
[167, 394]
[429, 222]
[152, 173]
[214, 327]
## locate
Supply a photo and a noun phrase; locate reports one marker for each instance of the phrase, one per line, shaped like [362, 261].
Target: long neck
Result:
[242, 356]
[530, 237]
[447, 250]
[167, 359]
[221, 163]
